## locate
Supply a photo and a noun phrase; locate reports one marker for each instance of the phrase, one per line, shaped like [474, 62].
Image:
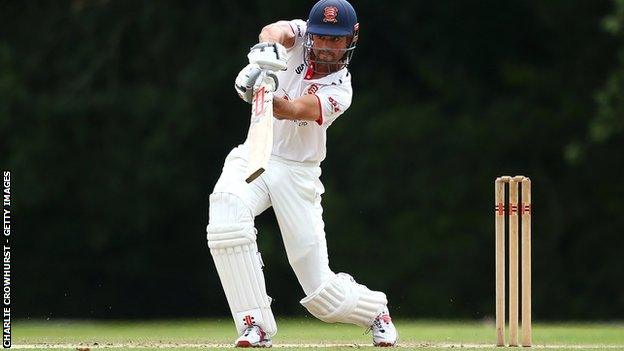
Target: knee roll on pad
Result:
[341, 299]
[232, 242]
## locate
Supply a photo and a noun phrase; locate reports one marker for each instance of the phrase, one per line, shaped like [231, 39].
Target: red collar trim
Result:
[310, 72]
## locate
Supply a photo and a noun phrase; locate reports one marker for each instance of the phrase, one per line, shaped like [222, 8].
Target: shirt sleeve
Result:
[299, 29]
[334, 100]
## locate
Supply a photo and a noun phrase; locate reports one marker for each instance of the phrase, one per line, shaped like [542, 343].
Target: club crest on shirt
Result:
[312, 89]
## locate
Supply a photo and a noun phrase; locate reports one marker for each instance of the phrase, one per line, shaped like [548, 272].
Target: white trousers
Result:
[294, 190]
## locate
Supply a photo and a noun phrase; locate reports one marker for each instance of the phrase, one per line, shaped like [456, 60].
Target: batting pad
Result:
[341, 299]
[239, 265]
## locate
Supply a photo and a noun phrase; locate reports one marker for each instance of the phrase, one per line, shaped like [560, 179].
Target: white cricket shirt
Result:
[304, 141]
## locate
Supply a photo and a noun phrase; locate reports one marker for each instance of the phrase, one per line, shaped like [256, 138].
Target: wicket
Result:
[511, 211]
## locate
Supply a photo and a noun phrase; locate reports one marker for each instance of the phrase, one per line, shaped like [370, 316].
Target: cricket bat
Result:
[260, 134]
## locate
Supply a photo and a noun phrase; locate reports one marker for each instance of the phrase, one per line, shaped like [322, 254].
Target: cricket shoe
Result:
[253, 336]
[384, 332]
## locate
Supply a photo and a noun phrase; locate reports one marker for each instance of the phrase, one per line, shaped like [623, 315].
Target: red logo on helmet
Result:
[330, 13]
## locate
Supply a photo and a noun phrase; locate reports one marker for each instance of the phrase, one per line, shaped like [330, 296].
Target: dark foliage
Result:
[116, 116]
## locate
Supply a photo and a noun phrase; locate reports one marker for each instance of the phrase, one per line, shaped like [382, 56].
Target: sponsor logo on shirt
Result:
[299, 69]
[299, 123]
[313, 89]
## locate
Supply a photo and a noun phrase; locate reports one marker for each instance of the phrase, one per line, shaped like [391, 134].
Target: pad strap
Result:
[341, 299]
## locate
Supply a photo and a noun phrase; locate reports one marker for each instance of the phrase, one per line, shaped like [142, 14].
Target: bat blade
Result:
[260, 134]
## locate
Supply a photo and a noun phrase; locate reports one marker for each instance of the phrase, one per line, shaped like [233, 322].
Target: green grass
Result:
[198, 334]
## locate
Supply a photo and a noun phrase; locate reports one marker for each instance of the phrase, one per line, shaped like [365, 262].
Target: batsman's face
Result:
[329, 49]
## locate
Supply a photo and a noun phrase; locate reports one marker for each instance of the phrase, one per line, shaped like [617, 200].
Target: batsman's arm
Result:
[278, 32]
[306, 107]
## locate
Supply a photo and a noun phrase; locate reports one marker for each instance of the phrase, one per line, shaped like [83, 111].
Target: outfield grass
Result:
[308, 333]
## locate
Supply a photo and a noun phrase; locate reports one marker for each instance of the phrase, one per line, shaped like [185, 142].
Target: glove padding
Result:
[249, 80]
[271, 56]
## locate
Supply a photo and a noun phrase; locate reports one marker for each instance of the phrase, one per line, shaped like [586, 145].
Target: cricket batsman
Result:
[308, 61]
